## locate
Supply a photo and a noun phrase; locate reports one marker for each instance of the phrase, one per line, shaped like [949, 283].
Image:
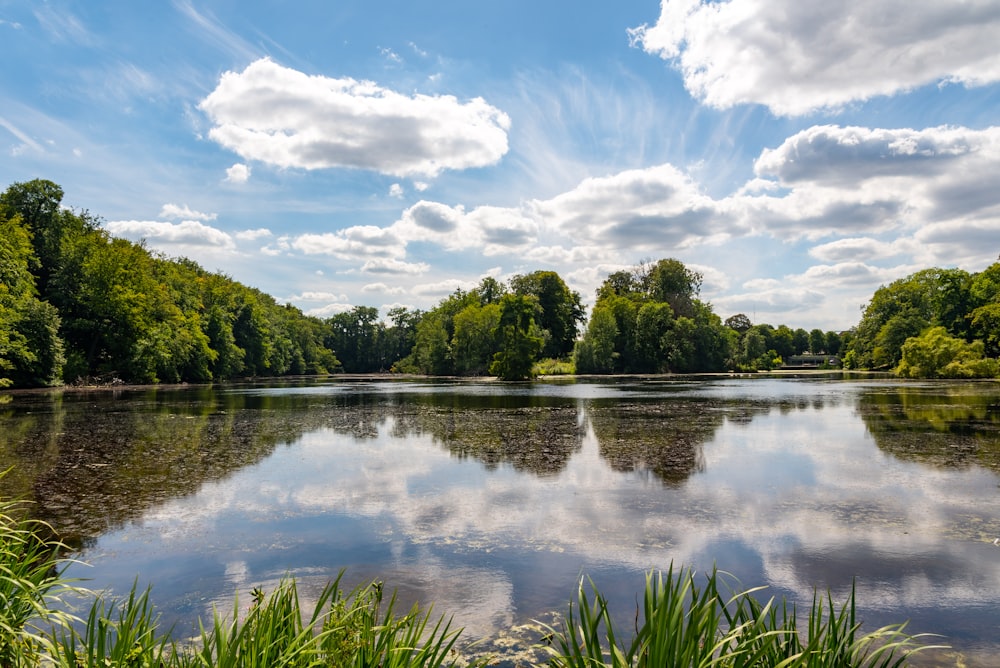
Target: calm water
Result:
[490, 500]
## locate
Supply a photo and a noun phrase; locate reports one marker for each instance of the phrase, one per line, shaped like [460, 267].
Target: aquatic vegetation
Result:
[682, 624]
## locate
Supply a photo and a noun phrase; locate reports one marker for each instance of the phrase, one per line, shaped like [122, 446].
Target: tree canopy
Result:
[78, 304]
[935, 322]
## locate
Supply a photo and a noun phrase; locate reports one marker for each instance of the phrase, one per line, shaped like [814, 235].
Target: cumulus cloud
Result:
[493, 229]
[641, 209]
[444, 288]
[317, 296]
[174, 212]
[238, 173]
[853, 248]
[850, 181]
[328, 310]
[391, 266]
[383, 288]
[187, 232]
[351, 243]
[836, 155]
[253, 235]
[797, 56]
[287, 118]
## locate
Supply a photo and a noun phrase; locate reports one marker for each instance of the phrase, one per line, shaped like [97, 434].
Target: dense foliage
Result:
[650, 320]
[933, 323]
[78, 304]
[497, 328]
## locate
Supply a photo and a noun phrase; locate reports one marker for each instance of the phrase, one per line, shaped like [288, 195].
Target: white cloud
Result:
[363, 241]
[642, 210]
[382, 288]
[174, 212]
[238, 173]
[855, 181]
[287, 118]
[316, 296]
[835, 155]
[443, 288]
[328, 310]
[796, 56]
[391, 266]
[396, 190]
[494, 229]
[253, 235]
[905, 196]
[853, 248]
[184, 233]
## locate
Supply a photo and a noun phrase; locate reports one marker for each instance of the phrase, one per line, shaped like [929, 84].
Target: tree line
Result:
[933, 323]
[78, 305]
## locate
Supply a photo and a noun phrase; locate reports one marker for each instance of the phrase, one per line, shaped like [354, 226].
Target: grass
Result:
[680, 624]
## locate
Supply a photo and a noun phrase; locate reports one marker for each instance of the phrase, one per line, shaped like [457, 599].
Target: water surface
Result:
[490, 500]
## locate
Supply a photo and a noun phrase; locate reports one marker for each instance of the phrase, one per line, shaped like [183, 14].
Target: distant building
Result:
[811, 362]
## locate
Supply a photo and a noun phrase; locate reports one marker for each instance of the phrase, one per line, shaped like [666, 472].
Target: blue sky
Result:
[799, 153]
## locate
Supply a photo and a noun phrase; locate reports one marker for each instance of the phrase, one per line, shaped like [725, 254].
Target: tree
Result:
[671, 282]
[739, 322]
[474, 341]
[833, 343]
[595, 353]
[936, 354]
[754, 348]
[38, 203]
[800, 341]
[31, 351]
[817, 341]
[561, 310]
[520, 339]
[654, 337]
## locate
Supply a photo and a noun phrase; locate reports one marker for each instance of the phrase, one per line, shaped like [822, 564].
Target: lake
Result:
[491, 500]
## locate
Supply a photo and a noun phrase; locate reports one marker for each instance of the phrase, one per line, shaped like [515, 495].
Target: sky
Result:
[797, 153]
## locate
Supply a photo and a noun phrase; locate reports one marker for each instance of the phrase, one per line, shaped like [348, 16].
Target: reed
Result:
[31, 586]
[686, 625]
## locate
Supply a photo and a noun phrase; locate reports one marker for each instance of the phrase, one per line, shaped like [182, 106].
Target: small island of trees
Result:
[80, 306]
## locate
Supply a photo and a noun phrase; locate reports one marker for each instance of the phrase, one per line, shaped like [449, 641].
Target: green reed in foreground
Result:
[30, 586]
[684, 625]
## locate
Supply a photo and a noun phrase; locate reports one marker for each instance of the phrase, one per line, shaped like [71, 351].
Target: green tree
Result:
[31, 351]
[739, 322]
[937, 354]
[474, 341]
[800, 341]
[654, 336]
[672, 282]
[520, 339]
[560, 309]
[754, 348]
[817, 341]
[984, 313]
[38, 203]
[595, 352]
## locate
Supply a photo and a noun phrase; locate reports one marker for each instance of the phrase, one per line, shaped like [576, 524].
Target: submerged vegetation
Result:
[679, 624]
